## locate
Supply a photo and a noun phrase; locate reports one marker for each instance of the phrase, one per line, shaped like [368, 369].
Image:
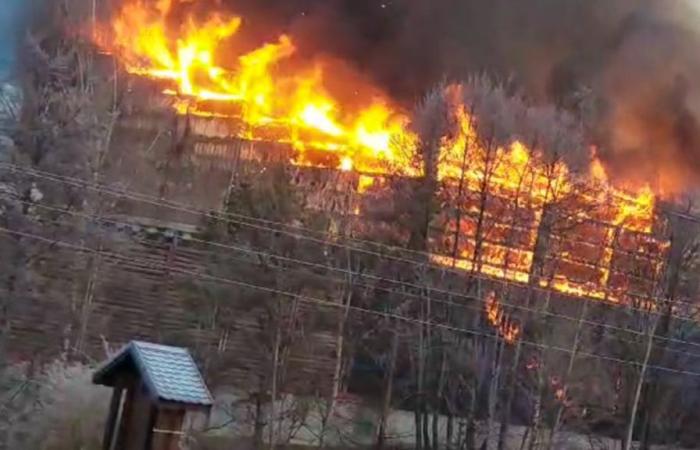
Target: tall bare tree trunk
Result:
[339, 354]
[510, 394]
[449, 431]
[427, 355]
[388, 390]
[273, 390]
[540, 252]
[418, 404]
[97, 211]
[259, 422]
[440, 393]
[537, 417]
[419, 429]
[567, 376]
[470, 438]
[640, 384]
[493, 391]
[460, 194]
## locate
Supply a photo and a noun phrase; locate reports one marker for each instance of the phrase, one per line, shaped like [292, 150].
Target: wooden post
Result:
[113, 418]
[152, 418]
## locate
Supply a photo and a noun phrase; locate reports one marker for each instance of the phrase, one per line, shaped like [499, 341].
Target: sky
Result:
[10, 14]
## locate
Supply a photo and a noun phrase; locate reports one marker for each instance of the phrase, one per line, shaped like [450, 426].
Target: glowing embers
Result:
[496, 316]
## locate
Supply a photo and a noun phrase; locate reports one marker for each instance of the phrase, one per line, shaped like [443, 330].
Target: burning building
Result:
[196, 112]
[490, 202]
[516, 213]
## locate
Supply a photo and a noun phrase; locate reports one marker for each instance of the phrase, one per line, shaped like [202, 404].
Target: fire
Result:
[521, 188]
[633, 212]
[597, 170]
[188, 56]
[196, 61]
[497, 317]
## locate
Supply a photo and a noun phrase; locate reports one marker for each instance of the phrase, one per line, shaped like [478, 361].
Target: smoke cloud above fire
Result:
[628, 65]
[638, 58]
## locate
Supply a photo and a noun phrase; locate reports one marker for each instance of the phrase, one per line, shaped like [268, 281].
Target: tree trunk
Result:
[417, 423]
[440, 393]
[481, 215]
[436, 422]
[419, 402]
[675, 266]
[508, 400]
[542, 375]
[536, 273]
[388, 389]
[259, 424]
[526, 435]
[426, 434]
[567, 376]
[460, 193]
[493, 390]
[449, 431]
[640, 384]
[273, 393]
[537, 414]
[470, 441]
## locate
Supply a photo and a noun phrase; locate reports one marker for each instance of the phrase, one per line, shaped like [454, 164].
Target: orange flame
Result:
[497, 317]
[297, 102]
[266, 89]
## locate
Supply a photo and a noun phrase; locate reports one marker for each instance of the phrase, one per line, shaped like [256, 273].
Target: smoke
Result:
[11, 19]
[651, 99]
[640, 58]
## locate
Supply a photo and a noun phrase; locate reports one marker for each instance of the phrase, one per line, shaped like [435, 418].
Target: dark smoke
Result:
[639, 58]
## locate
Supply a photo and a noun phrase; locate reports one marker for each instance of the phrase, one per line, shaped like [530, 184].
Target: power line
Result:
[312, 300]
[84, 184]
[191, 209]
[389, 280]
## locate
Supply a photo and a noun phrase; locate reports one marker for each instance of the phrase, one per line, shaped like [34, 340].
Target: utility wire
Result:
[130, 260]
[189, 208]
[243, 249]
[84, 184]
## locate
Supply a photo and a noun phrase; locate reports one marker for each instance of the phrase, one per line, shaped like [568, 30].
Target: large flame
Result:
[195, 59]
[188, 56]
[521, 187]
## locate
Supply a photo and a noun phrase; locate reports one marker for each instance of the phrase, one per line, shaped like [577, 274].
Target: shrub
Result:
[59, 409]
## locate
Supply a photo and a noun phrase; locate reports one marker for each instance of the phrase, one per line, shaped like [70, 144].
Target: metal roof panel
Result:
[170, 372]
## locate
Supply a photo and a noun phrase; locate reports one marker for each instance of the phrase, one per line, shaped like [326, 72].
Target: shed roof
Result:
[170, 373]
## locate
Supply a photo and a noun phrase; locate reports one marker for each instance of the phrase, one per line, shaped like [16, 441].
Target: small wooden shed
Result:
[158, 395]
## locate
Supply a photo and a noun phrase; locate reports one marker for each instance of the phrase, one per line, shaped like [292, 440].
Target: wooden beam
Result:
[112, 418]
[152, 420]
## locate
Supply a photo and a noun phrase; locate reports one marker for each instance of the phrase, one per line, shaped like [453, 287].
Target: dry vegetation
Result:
[53, 408]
